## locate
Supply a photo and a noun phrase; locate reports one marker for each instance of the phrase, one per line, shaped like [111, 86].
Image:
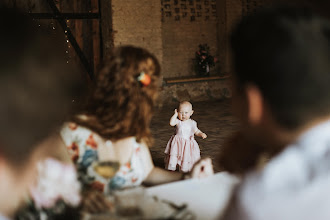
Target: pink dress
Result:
[182, 149]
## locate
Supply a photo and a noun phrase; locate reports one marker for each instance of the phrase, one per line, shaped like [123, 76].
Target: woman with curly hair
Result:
[114, 126]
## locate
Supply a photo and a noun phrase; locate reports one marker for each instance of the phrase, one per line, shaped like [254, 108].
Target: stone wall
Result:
[172, 30]
[186, 24]
[195, 91]
[233, 15]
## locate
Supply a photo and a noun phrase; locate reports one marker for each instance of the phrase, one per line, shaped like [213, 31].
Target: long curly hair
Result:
[119, 105]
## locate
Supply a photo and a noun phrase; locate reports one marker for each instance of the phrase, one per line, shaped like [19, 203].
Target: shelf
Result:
[192, 79]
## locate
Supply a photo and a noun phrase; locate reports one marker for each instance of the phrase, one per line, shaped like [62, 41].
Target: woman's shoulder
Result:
[73, 127]
[73, 132]
[140, 146]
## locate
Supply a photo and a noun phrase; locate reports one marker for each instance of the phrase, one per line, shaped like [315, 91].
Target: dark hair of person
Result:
[285, 53]
[120, 105]
[36, 86]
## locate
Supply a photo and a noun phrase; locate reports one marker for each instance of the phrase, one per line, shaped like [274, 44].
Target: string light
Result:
[52, 26]
[67, 50]
[67, 41]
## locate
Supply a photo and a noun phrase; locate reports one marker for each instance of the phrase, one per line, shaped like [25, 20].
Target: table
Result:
[206, 198]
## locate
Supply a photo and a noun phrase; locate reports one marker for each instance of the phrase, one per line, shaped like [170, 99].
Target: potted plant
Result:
[203, 60]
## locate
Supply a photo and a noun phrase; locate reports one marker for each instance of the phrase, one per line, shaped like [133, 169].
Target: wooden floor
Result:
[214, 118]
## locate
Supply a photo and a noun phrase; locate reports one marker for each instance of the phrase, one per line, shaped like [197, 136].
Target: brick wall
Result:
[138, 22]
[222, 35]
[233, 15]
[186, 24]
[172, 30]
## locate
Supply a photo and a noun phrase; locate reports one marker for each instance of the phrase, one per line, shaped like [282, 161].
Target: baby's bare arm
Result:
[174, 118]
[201, 134]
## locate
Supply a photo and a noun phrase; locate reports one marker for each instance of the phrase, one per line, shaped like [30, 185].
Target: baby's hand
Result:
[203, 168]
[204, 135]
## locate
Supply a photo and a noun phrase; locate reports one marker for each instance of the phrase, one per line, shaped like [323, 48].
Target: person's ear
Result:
[255, 104]
[192, 112]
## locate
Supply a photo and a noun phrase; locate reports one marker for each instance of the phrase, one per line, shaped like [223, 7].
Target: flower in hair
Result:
[144, 78]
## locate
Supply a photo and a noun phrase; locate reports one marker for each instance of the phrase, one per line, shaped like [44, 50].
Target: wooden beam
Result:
[65, 15]
[106, 24]
[72, 39]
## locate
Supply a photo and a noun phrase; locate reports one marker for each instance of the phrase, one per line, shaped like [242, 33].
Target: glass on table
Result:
[108, 163]
[106, 169]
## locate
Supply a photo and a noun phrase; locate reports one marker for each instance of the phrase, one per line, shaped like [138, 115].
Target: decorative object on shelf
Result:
[204, 61]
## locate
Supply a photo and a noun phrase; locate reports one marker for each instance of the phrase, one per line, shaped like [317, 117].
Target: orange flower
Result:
[91, 142]
[73, 151]
[128, 165]
[73, 147]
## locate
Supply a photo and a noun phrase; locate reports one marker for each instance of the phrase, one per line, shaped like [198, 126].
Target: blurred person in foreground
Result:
[281, 94]
[35, 92]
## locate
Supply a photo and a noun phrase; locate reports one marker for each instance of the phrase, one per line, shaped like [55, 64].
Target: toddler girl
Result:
[182, 149]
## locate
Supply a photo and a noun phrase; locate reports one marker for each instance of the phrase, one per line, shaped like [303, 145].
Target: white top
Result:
[294, 185]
